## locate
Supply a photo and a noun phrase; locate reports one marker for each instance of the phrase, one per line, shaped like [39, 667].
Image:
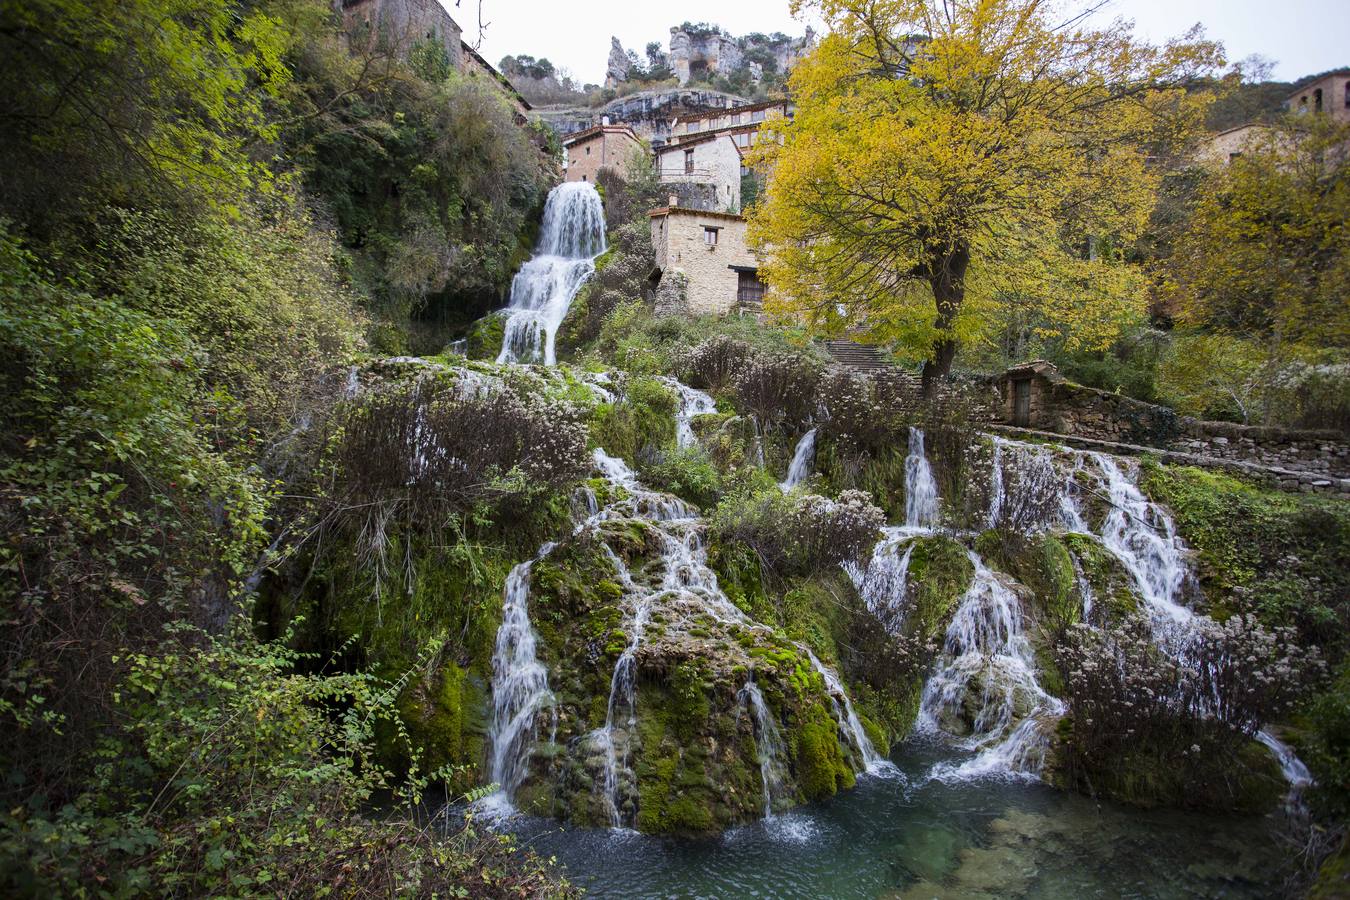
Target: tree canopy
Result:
[951, 159]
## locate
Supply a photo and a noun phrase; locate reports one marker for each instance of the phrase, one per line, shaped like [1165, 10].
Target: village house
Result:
[603, 147]
[711, 168]
[1228, 145]
[703, 265]
[741, 120]
[404, 24]
[1328, 94]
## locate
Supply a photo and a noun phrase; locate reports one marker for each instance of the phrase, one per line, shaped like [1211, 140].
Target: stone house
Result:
[602, 147]
[712, 160]
[1328, 94]
[1025, 393]
[703, 265]
[1226, 146]
[741, 119]
[406, 23]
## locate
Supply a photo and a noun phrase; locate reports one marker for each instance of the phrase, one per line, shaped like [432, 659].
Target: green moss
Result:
[939, 573]
[484, 340]
[818, 759]
[1112, 586]
[1289, 552]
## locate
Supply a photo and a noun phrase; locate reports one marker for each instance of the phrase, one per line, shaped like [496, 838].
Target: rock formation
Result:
[618, 67]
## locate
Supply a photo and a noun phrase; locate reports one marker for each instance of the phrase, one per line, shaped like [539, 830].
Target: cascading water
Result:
[996, 486]
[693, 403]
[921, 494]
[884, 582]
[768, 744]
[987, 649]
[847, 718]
[802, 459]
[571, 237]
[519, 683]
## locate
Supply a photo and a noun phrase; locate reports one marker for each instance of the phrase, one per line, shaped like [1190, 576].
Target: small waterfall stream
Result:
[921, 493]
[571, 236]
[768, 745]
[693, 403]
[803, 458]
[519, 683]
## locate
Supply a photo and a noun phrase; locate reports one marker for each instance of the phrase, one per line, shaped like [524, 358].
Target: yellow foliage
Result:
[928, 184]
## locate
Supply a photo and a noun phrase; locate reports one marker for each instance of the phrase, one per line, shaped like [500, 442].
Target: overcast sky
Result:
[1302, 36]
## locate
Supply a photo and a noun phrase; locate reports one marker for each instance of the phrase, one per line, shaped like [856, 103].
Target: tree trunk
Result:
[948, 280]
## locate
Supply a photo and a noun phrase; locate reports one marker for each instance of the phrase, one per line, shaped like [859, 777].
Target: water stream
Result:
[571, 236]
[803, 458]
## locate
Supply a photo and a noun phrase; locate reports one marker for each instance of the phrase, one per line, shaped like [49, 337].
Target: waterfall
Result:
[519, 683]
[996, 485]
[571, 237]
[802, 460]
[847, 718]
[768, 745]
[693, 402]
[921, 495]
[883, 584]
[622, 694]
[1141, 535]
[986, 649]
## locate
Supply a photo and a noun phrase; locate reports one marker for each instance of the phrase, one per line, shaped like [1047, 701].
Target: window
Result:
[757, 116]
[710, 235]
[1347, 95]
[736, 119]
[1317, 100]
[690, 128]
[588, 151]
[749, 289]
[742, 140]
[689, 162]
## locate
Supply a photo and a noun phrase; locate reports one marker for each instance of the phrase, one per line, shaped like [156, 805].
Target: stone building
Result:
[1226, 146]
[705, 254]
[741, 121]
[602, 147]
[405, 23]
[1329, 94]
[712, 160]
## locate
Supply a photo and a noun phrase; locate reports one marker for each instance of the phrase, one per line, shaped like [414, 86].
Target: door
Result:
[1022, 402]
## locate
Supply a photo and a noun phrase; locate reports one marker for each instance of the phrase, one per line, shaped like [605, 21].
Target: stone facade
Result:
[405, 23]
[713, 161]
[401, 22]
[603, 147]
[709, 250]
[1224, 147]
[1329, 95]
[736, 119]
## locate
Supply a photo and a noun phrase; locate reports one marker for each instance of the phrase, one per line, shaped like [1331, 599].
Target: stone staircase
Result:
[853, 355]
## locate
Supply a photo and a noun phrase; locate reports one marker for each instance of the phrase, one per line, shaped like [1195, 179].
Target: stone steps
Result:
[853, 355]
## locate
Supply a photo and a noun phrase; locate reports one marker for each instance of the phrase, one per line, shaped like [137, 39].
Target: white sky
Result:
[1302, 36]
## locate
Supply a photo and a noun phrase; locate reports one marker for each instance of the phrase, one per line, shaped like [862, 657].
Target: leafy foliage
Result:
[1024, 143]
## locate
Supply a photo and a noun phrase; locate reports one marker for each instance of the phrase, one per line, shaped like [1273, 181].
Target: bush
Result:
[798, 534]
[1128, 700]
[714, 364]
[230, 775]
[687, 473]
[779, 390]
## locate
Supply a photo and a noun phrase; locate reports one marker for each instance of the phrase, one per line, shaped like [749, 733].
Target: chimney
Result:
[674, 200]
[604, 120]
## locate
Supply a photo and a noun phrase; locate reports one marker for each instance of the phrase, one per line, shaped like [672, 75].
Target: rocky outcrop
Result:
[648, 113]
[700, 55]
[618, 66]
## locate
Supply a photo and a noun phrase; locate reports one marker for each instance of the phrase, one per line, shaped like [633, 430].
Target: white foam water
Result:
[803, 458]
[921, 493]
[571, 236]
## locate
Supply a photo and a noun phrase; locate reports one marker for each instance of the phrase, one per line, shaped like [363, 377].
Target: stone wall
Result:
[680, 242]
[609, 147]
[1065, 408]
[403, 23]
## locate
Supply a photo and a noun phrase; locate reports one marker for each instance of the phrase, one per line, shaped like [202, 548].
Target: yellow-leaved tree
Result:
[952, 158]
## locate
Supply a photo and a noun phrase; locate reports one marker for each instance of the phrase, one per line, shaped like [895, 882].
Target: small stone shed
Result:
[1026, 392]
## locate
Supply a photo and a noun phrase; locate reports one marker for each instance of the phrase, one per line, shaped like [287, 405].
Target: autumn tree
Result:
[949, 158]
[1266, 255]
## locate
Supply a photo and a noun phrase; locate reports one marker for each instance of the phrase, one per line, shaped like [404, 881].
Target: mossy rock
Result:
[1248, 781]
[817, 758]
[940, 571]
[1115, 598]
[484, 340]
